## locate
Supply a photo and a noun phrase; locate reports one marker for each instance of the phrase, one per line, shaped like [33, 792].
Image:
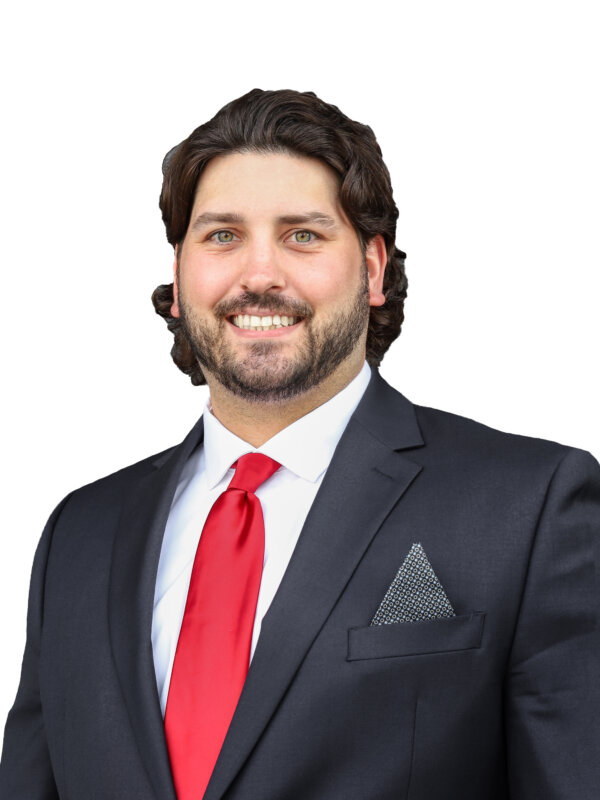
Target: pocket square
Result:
[414, 594]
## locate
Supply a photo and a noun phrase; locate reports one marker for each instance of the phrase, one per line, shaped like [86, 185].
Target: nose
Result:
[260, 268]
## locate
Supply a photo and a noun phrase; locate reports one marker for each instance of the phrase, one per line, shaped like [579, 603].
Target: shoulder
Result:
[125, 476]
[104, 498]
[465, 433]
[464, 443]
[445, 436]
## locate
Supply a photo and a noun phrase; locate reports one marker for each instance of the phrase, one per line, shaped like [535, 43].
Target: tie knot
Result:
[251, 471]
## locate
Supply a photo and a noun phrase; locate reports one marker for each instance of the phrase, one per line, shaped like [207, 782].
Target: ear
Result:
[376, 259]
[175, 304]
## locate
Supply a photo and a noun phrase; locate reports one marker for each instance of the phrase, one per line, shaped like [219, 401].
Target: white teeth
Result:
[253, 322]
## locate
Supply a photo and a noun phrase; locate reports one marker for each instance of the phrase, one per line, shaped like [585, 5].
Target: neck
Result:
[256, 422]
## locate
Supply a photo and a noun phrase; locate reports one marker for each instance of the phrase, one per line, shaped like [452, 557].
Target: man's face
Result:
[271, 285]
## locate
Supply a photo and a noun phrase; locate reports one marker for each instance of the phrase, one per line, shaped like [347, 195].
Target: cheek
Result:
[330, 280]
[204, 283]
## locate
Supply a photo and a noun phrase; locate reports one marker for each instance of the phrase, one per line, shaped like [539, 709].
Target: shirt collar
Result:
[305, 447]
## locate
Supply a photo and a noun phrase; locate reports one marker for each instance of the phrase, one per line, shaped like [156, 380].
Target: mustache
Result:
[263, 302]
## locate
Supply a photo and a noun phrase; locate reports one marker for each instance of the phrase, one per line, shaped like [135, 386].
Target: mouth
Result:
[266, 322]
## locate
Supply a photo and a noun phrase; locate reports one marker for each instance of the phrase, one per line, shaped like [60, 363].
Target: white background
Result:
[487, 114]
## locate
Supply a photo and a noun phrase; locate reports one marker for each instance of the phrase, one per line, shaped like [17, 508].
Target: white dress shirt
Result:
[304, 449]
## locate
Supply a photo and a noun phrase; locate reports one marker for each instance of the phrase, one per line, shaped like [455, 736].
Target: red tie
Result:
[213, 650]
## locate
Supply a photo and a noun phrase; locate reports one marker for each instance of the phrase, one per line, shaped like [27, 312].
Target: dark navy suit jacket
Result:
[500, 701]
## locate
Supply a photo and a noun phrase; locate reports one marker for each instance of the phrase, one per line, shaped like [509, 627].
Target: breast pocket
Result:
[398, 639]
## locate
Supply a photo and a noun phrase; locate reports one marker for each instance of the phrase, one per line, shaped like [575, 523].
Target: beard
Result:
[263, 374]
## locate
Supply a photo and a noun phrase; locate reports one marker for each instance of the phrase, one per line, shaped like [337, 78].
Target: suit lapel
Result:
[135, 559]
[365, 480]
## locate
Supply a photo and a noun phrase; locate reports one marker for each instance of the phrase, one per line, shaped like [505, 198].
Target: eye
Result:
[303, 237]
[222, 237]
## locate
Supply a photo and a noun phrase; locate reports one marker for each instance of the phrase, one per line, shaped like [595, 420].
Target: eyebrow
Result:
[312, 218]
[224, 218]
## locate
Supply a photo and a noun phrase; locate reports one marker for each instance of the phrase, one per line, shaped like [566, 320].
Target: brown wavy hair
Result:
[286, 121]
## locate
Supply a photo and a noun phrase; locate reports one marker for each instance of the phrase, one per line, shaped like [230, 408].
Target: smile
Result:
[251, 322]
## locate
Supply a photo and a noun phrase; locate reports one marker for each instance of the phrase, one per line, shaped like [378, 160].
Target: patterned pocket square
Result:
[414, 594]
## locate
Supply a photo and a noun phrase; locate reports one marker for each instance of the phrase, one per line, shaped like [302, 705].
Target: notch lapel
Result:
[136, 552]
[365, 480]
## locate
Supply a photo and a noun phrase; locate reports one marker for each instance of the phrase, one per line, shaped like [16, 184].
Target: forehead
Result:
[263, 181]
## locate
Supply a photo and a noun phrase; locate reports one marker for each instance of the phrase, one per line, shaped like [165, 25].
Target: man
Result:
[414, 593]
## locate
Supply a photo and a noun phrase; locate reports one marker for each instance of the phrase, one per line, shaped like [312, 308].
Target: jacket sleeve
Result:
[552, 689]
[26, 769]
